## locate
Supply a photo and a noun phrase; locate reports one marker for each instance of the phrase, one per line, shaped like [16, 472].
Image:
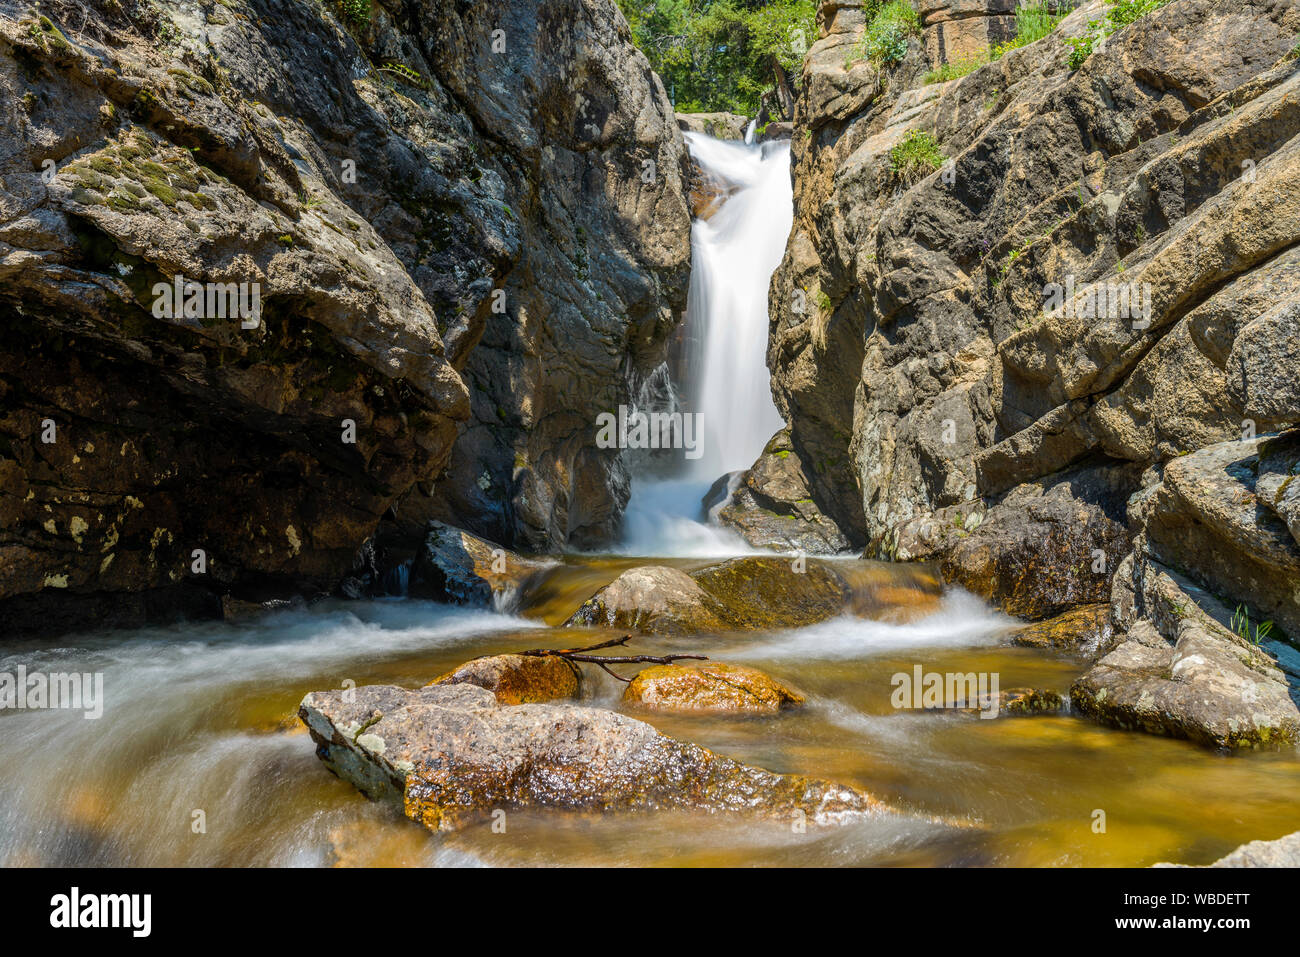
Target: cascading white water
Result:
[733, 256]
[734, 253]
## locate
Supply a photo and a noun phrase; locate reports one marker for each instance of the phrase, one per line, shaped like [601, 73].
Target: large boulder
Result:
[1206, 519]
[1046, 546]
[775, 592]
[1081, 630]
[957, 30]
[1181, 662]
[721, 126]
[772, 505]
[1209, 686]
[1284, 852]
[741, 594]
[652, 598]
[450, 755]
[455, 566]
[709, 687]
[1275, 482]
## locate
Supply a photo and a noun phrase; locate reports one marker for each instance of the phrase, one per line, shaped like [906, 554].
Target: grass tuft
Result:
[915, 157]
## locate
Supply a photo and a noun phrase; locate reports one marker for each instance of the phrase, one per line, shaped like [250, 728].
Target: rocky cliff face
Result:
[932, 374]
[461, 234]
[1089, 273]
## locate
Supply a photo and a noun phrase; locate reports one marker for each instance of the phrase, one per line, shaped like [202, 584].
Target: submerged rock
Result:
[1027, 701]
[518, 679]
[450, 755]
[710, 686]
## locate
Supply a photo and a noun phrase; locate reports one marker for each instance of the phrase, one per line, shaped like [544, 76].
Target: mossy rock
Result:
[652, 598]
[1079, 629]
[710, 687]
[755, 593]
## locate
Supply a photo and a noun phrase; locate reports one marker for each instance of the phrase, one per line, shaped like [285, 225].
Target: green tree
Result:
[723, 54]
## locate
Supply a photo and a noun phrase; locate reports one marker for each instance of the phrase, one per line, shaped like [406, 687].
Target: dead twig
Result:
[603, 661]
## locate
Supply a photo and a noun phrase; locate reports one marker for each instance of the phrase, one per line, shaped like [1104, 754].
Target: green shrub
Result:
[1125, 12]
[356, 12]
[915, 157]
[885, 39]
[1120, 15]
[1081, 46]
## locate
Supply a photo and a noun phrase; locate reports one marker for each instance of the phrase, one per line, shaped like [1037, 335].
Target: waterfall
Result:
[733, 255]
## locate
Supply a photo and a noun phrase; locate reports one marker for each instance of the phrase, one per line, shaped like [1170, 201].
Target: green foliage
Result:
[955, 69]
[1081, 46]
[356, 13]
[885, 39]
[1295, 52]
[1035, 21]
[1241, 625]
[1125, 12]
[406, 73]
[722, 55]
[915, 157]
[1121, 14]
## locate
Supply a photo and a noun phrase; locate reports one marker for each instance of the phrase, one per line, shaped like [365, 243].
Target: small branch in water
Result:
[603, 661]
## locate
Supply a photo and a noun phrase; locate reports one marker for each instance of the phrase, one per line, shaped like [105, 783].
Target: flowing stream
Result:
[199, 758]
[201, 717]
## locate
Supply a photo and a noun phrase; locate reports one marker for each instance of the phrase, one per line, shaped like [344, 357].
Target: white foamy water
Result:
[733, 256]
[663, 519]
[962, 620]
